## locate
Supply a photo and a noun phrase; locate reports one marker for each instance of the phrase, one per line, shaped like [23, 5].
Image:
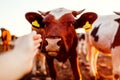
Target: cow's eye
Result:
[46, 24]
[70, 23]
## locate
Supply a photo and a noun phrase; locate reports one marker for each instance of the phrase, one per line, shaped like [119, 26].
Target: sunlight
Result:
[13, 16]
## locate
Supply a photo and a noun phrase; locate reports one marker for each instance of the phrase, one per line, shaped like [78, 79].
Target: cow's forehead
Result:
[57, 13]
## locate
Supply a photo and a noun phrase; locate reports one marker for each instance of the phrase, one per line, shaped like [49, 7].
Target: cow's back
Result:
[103, 32]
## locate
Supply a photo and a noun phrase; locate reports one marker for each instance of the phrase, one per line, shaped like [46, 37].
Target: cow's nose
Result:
[53, 44]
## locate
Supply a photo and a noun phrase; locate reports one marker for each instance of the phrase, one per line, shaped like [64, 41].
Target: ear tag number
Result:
[35, 23]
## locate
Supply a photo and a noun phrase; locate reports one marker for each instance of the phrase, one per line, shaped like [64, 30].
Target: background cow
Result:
[105, 38]
[6, 39]
[59, 37]
[39, 64]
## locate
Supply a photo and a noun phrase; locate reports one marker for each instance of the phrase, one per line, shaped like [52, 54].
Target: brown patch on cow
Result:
[94, 33]
[48, 18]
[116, 41]
[69, 18]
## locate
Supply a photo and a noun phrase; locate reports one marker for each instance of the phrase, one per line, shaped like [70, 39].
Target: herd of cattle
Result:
[60, 40]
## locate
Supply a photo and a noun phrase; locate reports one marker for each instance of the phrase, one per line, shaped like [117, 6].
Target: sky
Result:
[12, 12]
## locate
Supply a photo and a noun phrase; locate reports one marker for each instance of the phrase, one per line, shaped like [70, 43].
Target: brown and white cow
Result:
[105, 38]
[59, 37]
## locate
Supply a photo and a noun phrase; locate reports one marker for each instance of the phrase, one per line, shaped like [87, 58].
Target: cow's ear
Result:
[34, 19]
[86, 19]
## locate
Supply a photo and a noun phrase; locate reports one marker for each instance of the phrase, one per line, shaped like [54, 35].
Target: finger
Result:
[36, 46]
[37, 41]
[36, 51]
[34, 32]
[35, 37]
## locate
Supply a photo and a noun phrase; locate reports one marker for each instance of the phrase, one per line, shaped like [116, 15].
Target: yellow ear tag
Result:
[35, 23]
[87, 26]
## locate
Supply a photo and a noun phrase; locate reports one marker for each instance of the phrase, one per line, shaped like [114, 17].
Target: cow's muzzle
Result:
[53, 46]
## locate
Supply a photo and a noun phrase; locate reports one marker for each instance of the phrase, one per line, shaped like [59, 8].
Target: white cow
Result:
[105, 37]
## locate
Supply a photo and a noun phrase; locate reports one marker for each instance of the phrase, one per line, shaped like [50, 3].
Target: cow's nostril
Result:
[59, 42]
[52, 44]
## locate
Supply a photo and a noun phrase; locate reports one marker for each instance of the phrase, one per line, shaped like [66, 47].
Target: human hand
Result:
[28, 43]
[20, 58]
[26, 47]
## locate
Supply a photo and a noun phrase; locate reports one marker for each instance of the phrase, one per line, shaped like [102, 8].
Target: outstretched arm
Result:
[16, 63]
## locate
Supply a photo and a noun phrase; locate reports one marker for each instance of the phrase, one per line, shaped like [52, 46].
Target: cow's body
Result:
[107, 29]
[59, 36]
[105, 37]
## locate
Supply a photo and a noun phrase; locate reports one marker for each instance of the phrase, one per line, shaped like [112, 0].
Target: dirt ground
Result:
[104, 67]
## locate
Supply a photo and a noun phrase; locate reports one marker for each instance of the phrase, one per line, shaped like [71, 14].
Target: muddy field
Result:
[103, 65]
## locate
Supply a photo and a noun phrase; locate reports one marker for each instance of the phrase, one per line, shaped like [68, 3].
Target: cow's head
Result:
[58, 28]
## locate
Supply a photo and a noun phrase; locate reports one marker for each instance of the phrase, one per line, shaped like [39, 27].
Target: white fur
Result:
[106, 32]
[59, 12]
[17, 62]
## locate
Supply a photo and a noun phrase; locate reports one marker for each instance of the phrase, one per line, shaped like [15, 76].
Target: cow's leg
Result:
[82, 52]
[34, 69]
[92, 56]
[52, 71]
[93, 61]
[7, 47]
[42, 63]
[75, 66]
[116, 63]
[4, 46]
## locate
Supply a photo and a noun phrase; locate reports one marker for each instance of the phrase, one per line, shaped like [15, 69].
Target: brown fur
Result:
[64, 29]
[6, 39]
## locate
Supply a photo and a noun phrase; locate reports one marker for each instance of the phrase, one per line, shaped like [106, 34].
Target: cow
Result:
[82, 43]
[82, 48]
[6, 39]
[104, 38]
[60, 40]
[39, 61]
